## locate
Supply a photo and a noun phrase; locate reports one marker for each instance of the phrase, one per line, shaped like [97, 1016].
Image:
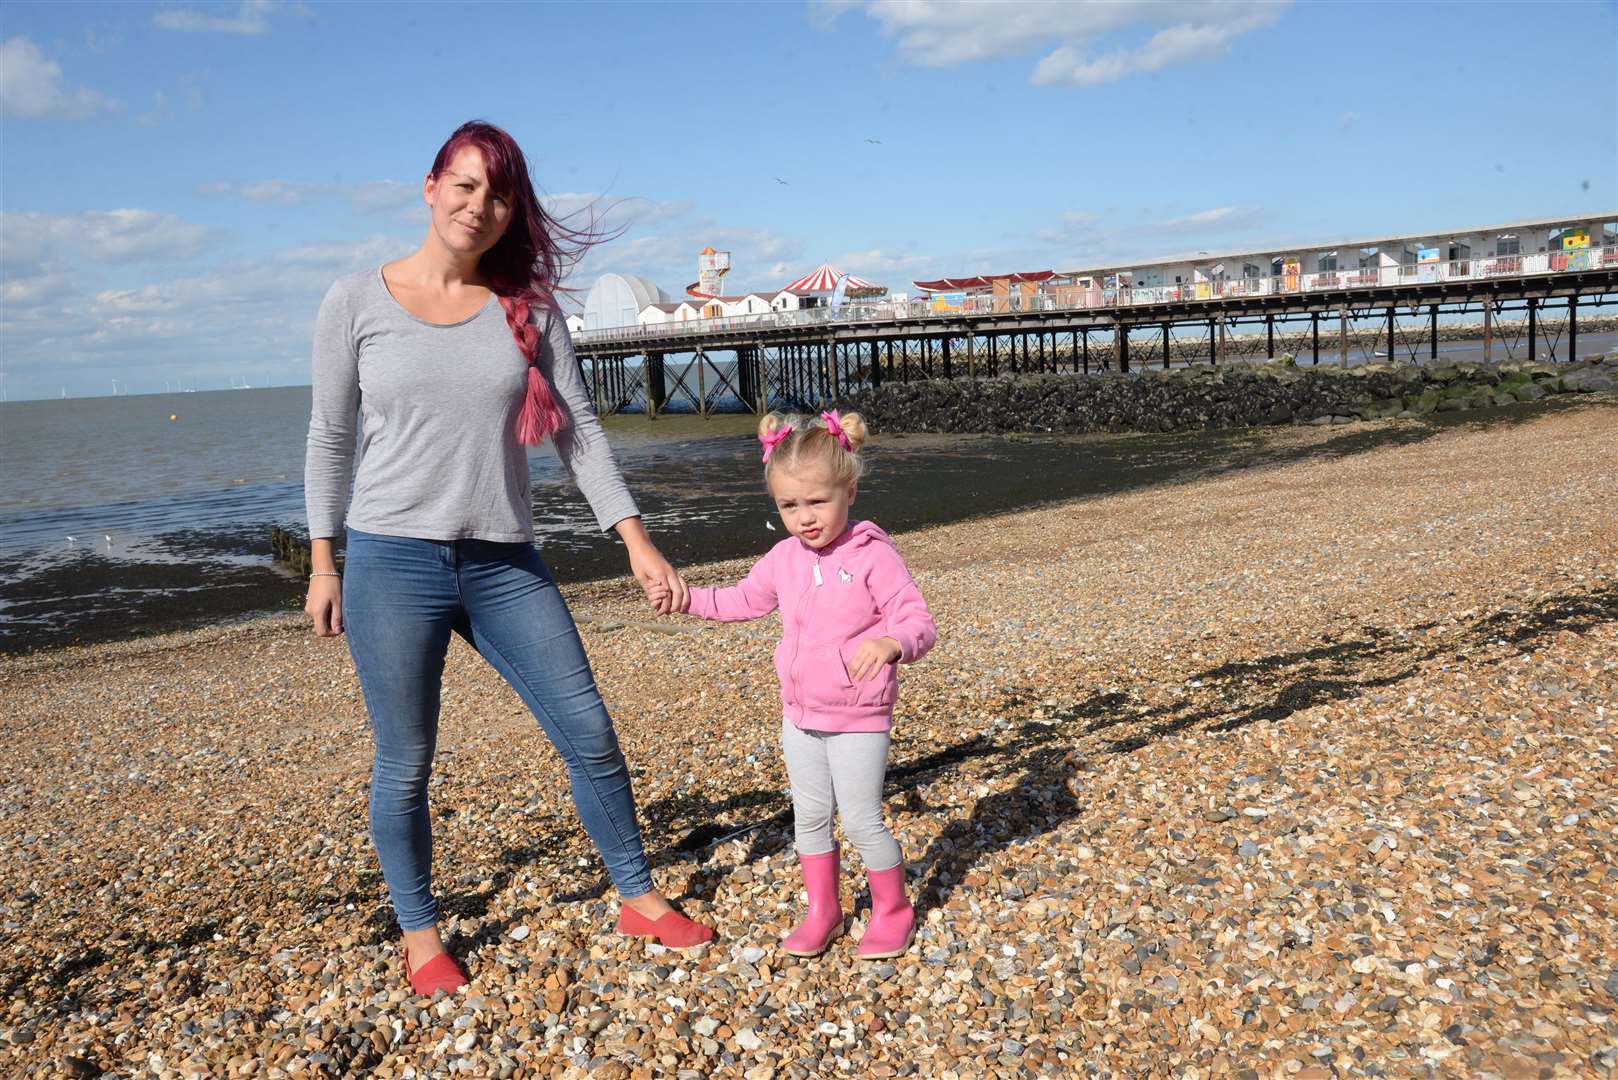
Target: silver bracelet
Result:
[324, 573]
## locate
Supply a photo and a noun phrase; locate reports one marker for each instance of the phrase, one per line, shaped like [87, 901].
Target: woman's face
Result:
[468, 217]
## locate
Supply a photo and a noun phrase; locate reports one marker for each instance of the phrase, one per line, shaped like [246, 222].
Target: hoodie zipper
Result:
[797, 642]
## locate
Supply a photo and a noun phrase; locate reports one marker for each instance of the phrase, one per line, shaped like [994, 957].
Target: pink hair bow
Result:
[772, 439]
[834, 425]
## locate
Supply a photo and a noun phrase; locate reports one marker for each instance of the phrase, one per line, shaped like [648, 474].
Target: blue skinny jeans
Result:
[402, 599]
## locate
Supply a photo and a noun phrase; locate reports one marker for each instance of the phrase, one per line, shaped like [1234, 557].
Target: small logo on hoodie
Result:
[844, 576]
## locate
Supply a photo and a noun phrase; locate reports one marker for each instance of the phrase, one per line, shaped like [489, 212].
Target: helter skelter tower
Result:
[712, 266]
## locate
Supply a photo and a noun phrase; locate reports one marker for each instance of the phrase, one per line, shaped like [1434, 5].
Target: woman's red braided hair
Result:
[525, 267]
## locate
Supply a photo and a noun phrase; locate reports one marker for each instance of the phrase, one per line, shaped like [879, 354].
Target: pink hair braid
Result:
[541, 416]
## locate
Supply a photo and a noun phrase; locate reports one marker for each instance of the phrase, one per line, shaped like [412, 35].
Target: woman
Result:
[455, 359]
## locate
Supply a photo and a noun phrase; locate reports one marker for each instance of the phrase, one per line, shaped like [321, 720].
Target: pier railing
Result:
[1078, 298]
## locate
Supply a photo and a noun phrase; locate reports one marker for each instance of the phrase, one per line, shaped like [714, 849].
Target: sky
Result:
[180, 183]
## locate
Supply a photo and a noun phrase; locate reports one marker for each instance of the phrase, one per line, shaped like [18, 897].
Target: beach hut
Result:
[658, 314]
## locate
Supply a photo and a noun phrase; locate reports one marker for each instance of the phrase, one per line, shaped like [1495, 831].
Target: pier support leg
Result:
[1213, 341]
[702, 383]
[1269, 336]
[1488, 329]
[1392, 343]
[1123, 347]
[971, 356]
[1533, 330]
[1314, 335]
[1432, 343]
[1073, 353]
[649, 381]
[1573, 328]
[1086, 334]
[1342, 335]
[762, 361]
[1168, 342]
[948, 369]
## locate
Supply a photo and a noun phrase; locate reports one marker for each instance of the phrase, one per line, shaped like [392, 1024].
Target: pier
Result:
[1521, 306]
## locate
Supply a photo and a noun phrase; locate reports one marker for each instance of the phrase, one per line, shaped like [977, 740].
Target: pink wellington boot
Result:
[824, 921]
[892, 926]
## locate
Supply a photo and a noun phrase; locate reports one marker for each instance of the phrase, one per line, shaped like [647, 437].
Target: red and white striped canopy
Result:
[824, 278]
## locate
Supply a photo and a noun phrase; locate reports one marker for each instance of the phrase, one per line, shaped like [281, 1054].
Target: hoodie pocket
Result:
[825, 678]
[878, 689]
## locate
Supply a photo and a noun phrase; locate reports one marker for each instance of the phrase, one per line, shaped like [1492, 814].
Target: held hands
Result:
[661, 582]
[662, 599]
[872, 655]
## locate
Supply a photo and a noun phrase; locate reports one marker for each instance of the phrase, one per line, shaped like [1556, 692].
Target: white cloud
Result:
[274, 192]
[31, 86]
[32, 241]
[939, 33]
[371, 197]
[255, 314]
[595, 212]
[126, 235]
[250, 17]
[874, 263]
[1087, 238]
[381, 195]
[1220, 217]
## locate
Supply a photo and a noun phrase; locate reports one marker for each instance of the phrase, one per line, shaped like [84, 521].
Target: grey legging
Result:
[834, 771]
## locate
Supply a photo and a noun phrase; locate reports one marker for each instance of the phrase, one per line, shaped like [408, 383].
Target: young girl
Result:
[849, 614]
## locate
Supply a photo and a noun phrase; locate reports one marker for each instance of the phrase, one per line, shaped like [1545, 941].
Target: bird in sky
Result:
[874, 142]
[778, 180]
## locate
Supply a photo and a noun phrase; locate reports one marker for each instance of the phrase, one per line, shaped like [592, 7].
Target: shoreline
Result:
[990, 474]
[1300, 767]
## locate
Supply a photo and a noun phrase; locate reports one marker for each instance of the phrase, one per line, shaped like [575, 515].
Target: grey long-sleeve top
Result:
[437, 406]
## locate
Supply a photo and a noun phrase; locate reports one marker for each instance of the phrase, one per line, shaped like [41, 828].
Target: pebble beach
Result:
[1300, 770]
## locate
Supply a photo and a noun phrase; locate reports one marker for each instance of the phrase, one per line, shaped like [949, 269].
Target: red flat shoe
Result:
[439, 973]
[671, 929]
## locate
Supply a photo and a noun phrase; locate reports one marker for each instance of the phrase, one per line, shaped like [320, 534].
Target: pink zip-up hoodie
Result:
[854, 588]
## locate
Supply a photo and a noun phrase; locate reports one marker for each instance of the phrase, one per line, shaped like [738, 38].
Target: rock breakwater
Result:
[1205, 396]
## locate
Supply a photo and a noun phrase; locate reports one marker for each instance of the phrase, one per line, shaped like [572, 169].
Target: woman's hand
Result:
[872, 655]
[663, 585]
[325, 605]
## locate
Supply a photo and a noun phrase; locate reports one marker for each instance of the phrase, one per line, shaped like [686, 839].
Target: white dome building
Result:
[617, 300]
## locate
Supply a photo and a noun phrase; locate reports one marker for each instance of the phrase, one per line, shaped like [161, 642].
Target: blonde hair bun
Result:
[853, 425]
[769, 424]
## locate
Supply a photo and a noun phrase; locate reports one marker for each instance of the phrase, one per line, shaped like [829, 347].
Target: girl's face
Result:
[813, 504]
[468, 217]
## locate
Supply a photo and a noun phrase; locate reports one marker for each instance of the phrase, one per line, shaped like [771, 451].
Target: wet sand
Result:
[1300, 769]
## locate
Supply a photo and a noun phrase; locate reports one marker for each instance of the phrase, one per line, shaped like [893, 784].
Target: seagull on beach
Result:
[73, 540]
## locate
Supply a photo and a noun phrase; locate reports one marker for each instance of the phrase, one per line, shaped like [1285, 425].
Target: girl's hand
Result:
[872, 656]
[325, 605]
[663, 599]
